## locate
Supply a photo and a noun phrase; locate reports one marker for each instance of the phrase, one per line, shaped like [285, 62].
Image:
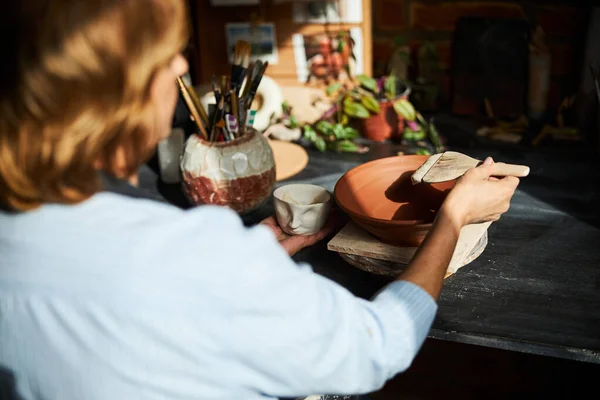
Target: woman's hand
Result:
[479, 197]
[294, 243]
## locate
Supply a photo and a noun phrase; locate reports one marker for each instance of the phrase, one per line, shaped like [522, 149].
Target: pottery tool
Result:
[451, 165]
[366, 252]
[241, 59]
[192, 108]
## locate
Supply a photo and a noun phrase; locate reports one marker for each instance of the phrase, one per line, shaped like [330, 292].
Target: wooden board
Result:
[290, 159]
[355, 243]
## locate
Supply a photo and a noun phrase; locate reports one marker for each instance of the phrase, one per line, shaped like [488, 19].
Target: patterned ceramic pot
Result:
[239, 174]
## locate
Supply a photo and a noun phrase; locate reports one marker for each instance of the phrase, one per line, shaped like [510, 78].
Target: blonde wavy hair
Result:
[75, 89]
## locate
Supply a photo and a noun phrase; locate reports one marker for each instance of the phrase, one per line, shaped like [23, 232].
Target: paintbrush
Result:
[253, 70]
[192, 108]
[216, 90]
[241, 59]
[250, 76]
[246, 82]
[198, 104]
[216, 118]
[241, 117]
[451, 165]
[234, 107]
[224, 85]
[255, 83]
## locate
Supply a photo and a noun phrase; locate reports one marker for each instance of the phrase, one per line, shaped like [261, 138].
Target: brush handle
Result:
[520, 171]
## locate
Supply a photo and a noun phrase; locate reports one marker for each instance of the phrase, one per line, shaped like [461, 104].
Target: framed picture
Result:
[322, 58]
[261, 37]
[329, 11]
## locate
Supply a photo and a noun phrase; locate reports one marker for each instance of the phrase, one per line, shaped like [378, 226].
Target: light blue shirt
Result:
[120, 298]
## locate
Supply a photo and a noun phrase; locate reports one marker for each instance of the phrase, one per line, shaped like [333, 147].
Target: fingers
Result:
[488, 161]
[510, 183]
[293, 244]
[482, 172]
[485, 170]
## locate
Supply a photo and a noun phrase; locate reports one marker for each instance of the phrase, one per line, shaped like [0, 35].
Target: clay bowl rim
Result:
[362, 218]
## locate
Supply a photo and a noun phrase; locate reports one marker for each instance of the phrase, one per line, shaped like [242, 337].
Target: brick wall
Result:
[564, 22]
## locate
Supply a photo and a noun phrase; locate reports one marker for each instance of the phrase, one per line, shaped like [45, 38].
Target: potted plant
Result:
[381, 106]
[380, 109]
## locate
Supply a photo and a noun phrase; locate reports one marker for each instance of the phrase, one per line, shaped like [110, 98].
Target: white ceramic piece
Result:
[301, 209]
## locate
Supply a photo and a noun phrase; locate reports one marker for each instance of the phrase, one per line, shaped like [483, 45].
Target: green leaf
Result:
[293, 122]
[405, 109]
[421, 119]
[338, 131]
[348, 100]
[347, 146]
[434, 136]
[334, 87]
[309, 133]
[350, 133]
[356, 110]
[345, 120]
[367, 82]
[423, 152]
[370, 104]
[324, 127]
[320, 144]
[389, 86]
[413, 136]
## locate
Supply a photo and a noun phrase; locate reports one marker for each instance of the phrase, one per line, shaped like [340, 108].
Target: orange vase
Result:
[384, 125]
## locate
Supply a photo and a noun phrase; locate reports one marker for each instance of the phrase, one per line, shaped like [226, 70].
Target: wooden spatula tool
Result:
[451, 165]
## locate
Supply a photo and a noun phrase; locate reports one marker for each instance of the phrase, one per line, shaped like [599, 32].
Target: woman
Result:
[108, 297]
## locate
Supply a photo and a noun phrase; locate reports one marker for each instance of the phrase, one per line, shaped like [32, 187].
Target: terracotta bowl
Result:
[380, 197]
[239, 174]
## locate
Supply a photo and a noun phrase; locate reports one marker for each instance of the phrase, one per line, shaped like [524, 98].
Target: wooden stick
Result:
[234, 105]
[192, 108]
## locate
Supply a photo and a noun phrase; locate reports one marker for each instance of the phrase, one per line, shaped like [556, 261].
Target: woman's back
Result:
[104, 286]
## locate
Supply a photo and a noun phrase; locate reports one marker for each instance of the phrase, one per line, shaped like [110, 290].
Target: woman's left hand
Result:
[294, 243]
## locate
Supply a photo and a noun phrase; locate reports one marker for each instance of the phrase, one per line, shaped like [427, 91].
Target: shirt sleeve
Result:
[293, 332]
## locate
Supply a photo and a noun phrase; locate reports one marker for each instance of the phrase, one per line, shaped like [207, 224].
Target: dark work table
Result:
[536, 287]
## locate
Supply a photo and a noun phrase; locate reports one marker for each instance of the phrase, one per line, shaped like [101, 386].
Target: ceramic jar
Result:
[383, 125]
[239, 174]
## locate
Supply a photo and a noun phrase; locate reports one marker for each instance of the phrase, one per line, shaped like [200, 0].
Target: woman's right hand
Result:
[478, 196]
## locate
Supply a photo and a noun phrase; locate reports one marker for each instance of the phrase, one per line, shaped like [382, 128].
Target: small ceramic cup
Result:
[301, 209]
